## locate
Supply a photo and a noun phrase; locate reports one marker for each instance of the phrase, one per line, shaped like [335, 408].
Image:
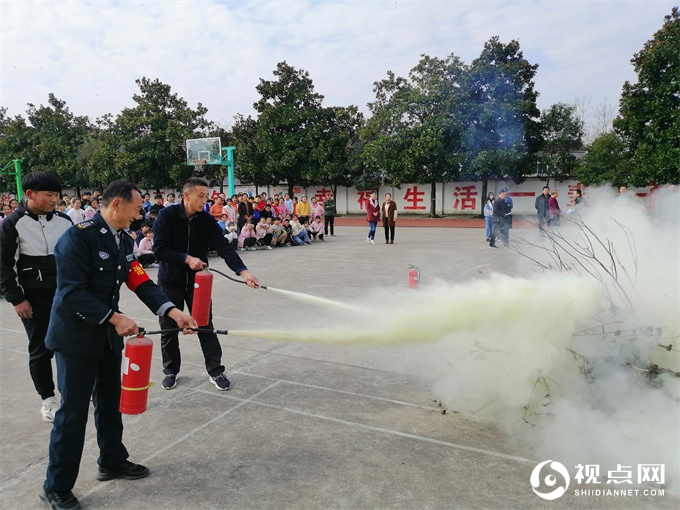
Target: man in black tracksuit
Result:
[28, 273]
[183, 236]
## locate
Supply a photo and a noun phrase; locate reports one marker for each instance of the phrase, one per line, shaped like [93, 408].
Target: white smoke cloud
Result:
[568, 361]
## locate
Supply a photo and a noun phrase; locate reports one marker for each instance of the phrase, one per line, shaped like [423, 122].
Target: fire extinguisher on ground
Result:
[413, 277]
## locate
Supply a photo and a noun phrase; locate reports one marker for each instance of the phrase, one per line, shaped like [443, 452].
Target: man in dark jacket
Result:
[501, 210]
[329, 212]
[541, 206]
[183, 236]
[28, 273]
[94, 258]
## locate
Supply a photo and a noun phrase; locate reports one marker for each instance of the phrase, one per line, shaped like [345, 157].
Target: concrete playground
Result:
[305, 426]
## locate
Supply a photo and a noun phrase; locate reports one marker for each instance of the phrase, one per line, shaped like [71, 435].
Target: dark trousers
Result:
[265, 240]
[39, 356]
[500, 229]
[389, 231]
[212, 350]
[78, 379]
[329, 223]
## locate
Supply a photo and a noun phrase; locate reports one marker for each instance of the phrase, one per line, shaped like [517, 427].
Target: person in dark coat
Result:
[183, 236]
[541, 206]
[501, 209]
[94, 258]
[389, 218]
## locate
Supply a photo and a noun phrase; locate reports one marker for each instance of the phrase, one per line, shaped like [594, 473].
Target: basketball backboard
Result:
[204, 151]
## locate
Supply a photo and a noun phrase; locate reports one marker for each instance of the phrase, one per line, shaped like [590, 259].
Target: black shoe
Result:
[493, 246]
[169, 382]
[127, 471]
[221, 382]
[59, 500]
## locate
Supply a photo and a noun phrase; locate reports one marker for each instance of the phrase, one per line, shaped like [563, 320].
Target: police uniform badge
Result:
[85, 224]
[103, 255]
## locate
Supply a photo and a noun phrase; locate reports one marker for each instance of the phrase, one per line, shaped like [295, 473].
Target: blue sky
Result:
[89, 53]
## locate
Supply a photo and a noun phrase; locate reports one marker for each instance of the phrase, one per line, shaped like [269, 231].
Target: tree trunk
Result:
[433, 200]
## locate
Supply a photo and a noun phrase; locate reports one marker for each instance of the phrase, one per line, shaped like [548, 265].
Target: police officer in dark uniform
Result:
[94, 258]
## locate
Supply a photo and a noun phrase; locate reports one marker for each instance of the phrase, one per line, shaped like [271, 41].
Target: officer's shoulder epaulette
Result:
[83, 225]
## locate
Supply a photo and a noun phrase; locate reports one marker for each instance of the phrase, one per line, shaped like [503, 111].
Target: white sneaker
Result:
[49, 407]
[372, 241]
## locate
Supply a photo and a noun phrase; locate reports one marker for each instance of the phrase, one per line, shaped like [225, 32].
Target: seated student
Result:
[300, 234]
[248, 238]
[144, 252]
[223, 222]
[264, 237]
[289, 232]
[279, 235]
[316, 228]
[231, 235]
[141, 233]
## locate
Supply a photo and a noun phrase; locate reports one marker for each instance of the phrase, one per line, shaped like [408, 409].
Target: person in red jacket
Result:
[372, 216]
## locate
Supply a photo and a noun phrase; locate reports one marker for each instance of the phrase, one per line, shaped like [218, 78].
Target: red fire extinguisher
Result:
[136, 373]
[200, 308]
[413, 277]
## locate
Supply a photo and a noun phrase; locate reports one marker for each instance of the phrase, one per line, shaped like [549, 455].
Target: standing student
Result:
[183, 236]
[94, 259]
[329, 212]
[488, 215]
[372, 216]
[389, 218]
[28, 274]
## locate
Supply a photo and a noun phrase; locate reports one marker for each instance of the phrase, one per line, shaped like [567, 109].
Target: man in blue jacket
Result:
[94, 258]
[183, 236]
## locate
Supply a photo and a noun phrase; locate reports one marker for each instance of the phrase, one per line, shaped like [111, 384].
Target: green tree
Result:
[561, 134]
[335, 151]
[649, 110]
[607, 161]
[286, 127]
[500, 114]
[412, 135]
[249, 161]
[147, 141]
[55, 134]
[14, 140]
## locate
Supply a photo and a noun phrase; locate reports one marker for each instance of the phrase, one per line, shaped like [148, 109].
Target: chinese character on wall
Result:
[415, 197]
[465, 197]
[364, 197]
[321, 194]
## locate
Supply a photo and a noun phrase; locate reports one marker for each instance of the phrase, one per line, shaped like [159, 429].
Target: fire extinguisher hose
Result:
[231, 278]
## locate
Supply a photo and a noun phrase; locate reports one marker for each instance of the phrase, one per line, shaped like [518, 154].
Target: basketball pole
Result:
[17, 173]
[228, 160]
